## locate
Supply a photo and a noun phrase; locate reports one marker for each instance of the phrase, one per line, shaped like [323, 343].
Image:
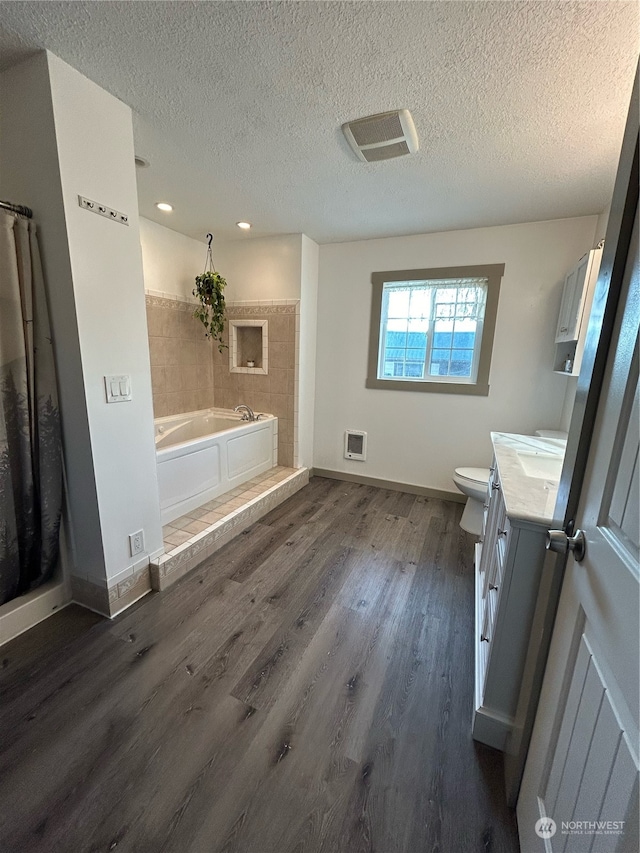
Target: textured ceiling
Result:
[519, 106]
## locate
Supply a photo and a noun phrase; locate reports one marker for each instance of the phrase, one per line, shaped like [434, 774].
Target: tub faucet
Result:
[248, 414]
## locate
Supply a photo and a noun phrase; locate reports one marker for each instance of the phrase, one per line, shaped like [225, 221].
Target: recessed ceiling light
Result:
[244, 225]
[141, 162]
[162, 205]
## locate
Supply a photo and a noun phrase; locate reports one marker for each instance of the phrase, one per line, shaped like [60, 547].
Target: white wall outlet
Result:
[103, 210]
[117, 388]
[136, 542]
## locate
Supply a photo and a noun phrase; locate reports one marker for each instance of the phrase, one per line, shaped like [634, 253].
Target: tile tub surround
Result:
[193, 538]
[181, 357]
[274, 392]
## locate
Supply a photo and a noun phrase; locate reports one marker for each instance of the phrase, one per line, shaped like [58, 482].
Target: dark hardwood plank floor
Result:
[307, 689]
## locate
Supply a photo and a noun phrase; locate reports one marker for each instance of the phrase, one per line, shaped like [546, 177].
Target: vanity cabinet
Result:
[577, 298]
[509, 562]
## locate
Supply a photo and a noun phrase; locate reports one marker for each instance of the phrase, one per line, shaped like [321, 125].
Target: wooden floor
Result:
[308, 689]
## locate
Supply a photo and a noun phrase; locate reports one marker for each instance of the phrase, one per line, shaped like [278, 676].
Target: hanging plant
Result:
[209, 291]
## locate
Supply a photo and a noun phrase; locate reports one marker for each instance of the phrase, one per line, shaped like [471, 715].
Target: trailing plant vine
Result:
[209, 291]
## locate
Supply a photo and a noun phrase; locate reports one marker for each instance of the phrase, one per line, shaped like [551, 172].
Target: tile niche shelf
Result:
[249, 346]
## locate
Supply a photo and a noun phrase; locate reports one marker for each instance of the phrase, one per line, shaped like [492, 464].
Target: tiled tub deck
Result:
[193, 537]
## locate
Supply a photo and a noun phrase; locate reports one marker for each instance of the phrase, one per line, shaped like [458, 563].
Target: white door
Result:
[580, 786]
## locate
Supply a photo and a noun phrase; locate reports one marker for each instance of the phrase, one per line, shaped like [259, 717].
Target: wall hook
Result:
[210, 239]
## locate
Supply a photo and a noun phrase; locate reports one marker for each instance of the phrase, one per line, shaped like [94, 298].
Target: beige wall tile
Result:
[279, 380]
[204, 375]
[291, 328]
[278, 329]
[203, 350]
[261, 383]
[220, 359]
[197, 330]
[281, 355]
[278, 404]
[190, 373]
[222, 398]
[291, 375]
[158, 379]
[189, 377]
[186, 326]
[160, 405]
[221, 378]
[154, 321]
[285, 431]
[172, 350]
[241, 383]
[174, 324]
[165, 321]
[191, 401]
[205, 399]
[285, 455]
[187, 352]
[176, 403]
[173, 378]
[261, 403]
[157, 351]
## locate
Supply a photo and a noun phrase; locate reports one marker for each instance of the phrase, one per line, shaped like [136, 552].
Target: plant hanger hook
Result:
[209, 260]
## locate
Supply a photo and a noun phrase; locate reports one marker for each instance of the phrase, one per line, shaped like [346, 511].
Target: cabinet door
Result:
[572, 302]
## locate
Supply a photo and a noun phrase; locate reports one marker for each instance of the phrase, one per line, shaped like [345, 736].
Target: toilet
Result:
[472, 482]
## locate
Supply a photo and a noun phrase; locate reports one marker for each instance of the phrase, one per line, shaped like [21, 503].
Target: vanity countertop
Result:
[529, 469]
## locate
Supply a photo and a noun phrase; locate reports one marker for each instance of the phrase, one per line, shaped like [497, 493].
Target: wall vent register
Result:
[355, 445]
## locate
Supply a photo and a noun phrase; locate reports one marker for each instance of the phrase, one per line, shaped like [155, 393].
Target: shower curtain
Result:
[30, 440]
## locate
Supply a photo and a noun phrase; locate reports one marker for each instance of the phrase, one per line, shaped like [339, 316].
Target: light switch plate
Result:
[117, 388]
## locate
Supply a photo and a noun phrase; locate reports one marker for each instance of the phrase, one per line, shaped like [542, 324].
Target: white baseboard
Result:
[411, 488]
[491, 727]
[27, 610]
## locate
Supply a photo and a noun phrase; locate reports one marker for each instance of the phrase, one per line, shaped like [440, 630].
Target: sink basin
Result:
[542, 466]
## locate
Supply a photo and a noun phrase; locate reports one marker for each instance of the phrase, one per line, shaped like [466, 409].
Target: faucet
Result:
[248, 415]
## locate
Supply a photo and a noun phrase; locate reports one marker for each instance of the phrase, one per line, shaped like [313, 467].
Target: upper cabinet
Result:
[577, 296]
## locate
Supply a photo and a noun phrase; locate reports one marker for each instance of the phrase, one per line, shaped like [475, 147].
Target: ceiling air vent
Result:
[382, 136]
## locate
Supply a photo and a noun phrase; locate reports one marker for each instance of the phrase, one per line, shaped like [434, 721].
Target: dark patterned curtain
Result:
[30, 442]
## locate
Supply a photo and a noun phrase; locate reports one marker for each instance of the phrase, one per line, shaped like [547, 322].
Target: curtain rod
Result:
[17, 208]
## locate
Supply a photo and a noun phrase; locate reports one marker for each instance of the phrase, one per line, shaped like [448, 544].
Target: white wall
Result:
[572, 381]
[96, 290]
[306, 391]
[416, 437]
[261, 267]
[30, 175]
[170, 261]
[94, 134]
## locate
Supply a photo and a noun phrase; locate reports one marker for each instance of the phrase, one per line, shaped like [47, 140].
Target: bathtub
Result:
[202, 455]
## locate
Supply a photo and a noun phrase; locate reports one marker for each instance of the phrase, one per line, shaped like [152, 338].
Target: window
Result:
[432, 330]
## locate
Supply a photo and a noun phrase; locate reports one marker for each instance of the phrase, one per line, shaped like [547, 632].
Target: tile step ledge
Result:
[172, 566]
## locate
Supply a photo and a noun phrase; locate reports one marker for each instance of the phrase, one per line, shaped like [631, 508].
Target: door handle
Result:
[560, 543]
